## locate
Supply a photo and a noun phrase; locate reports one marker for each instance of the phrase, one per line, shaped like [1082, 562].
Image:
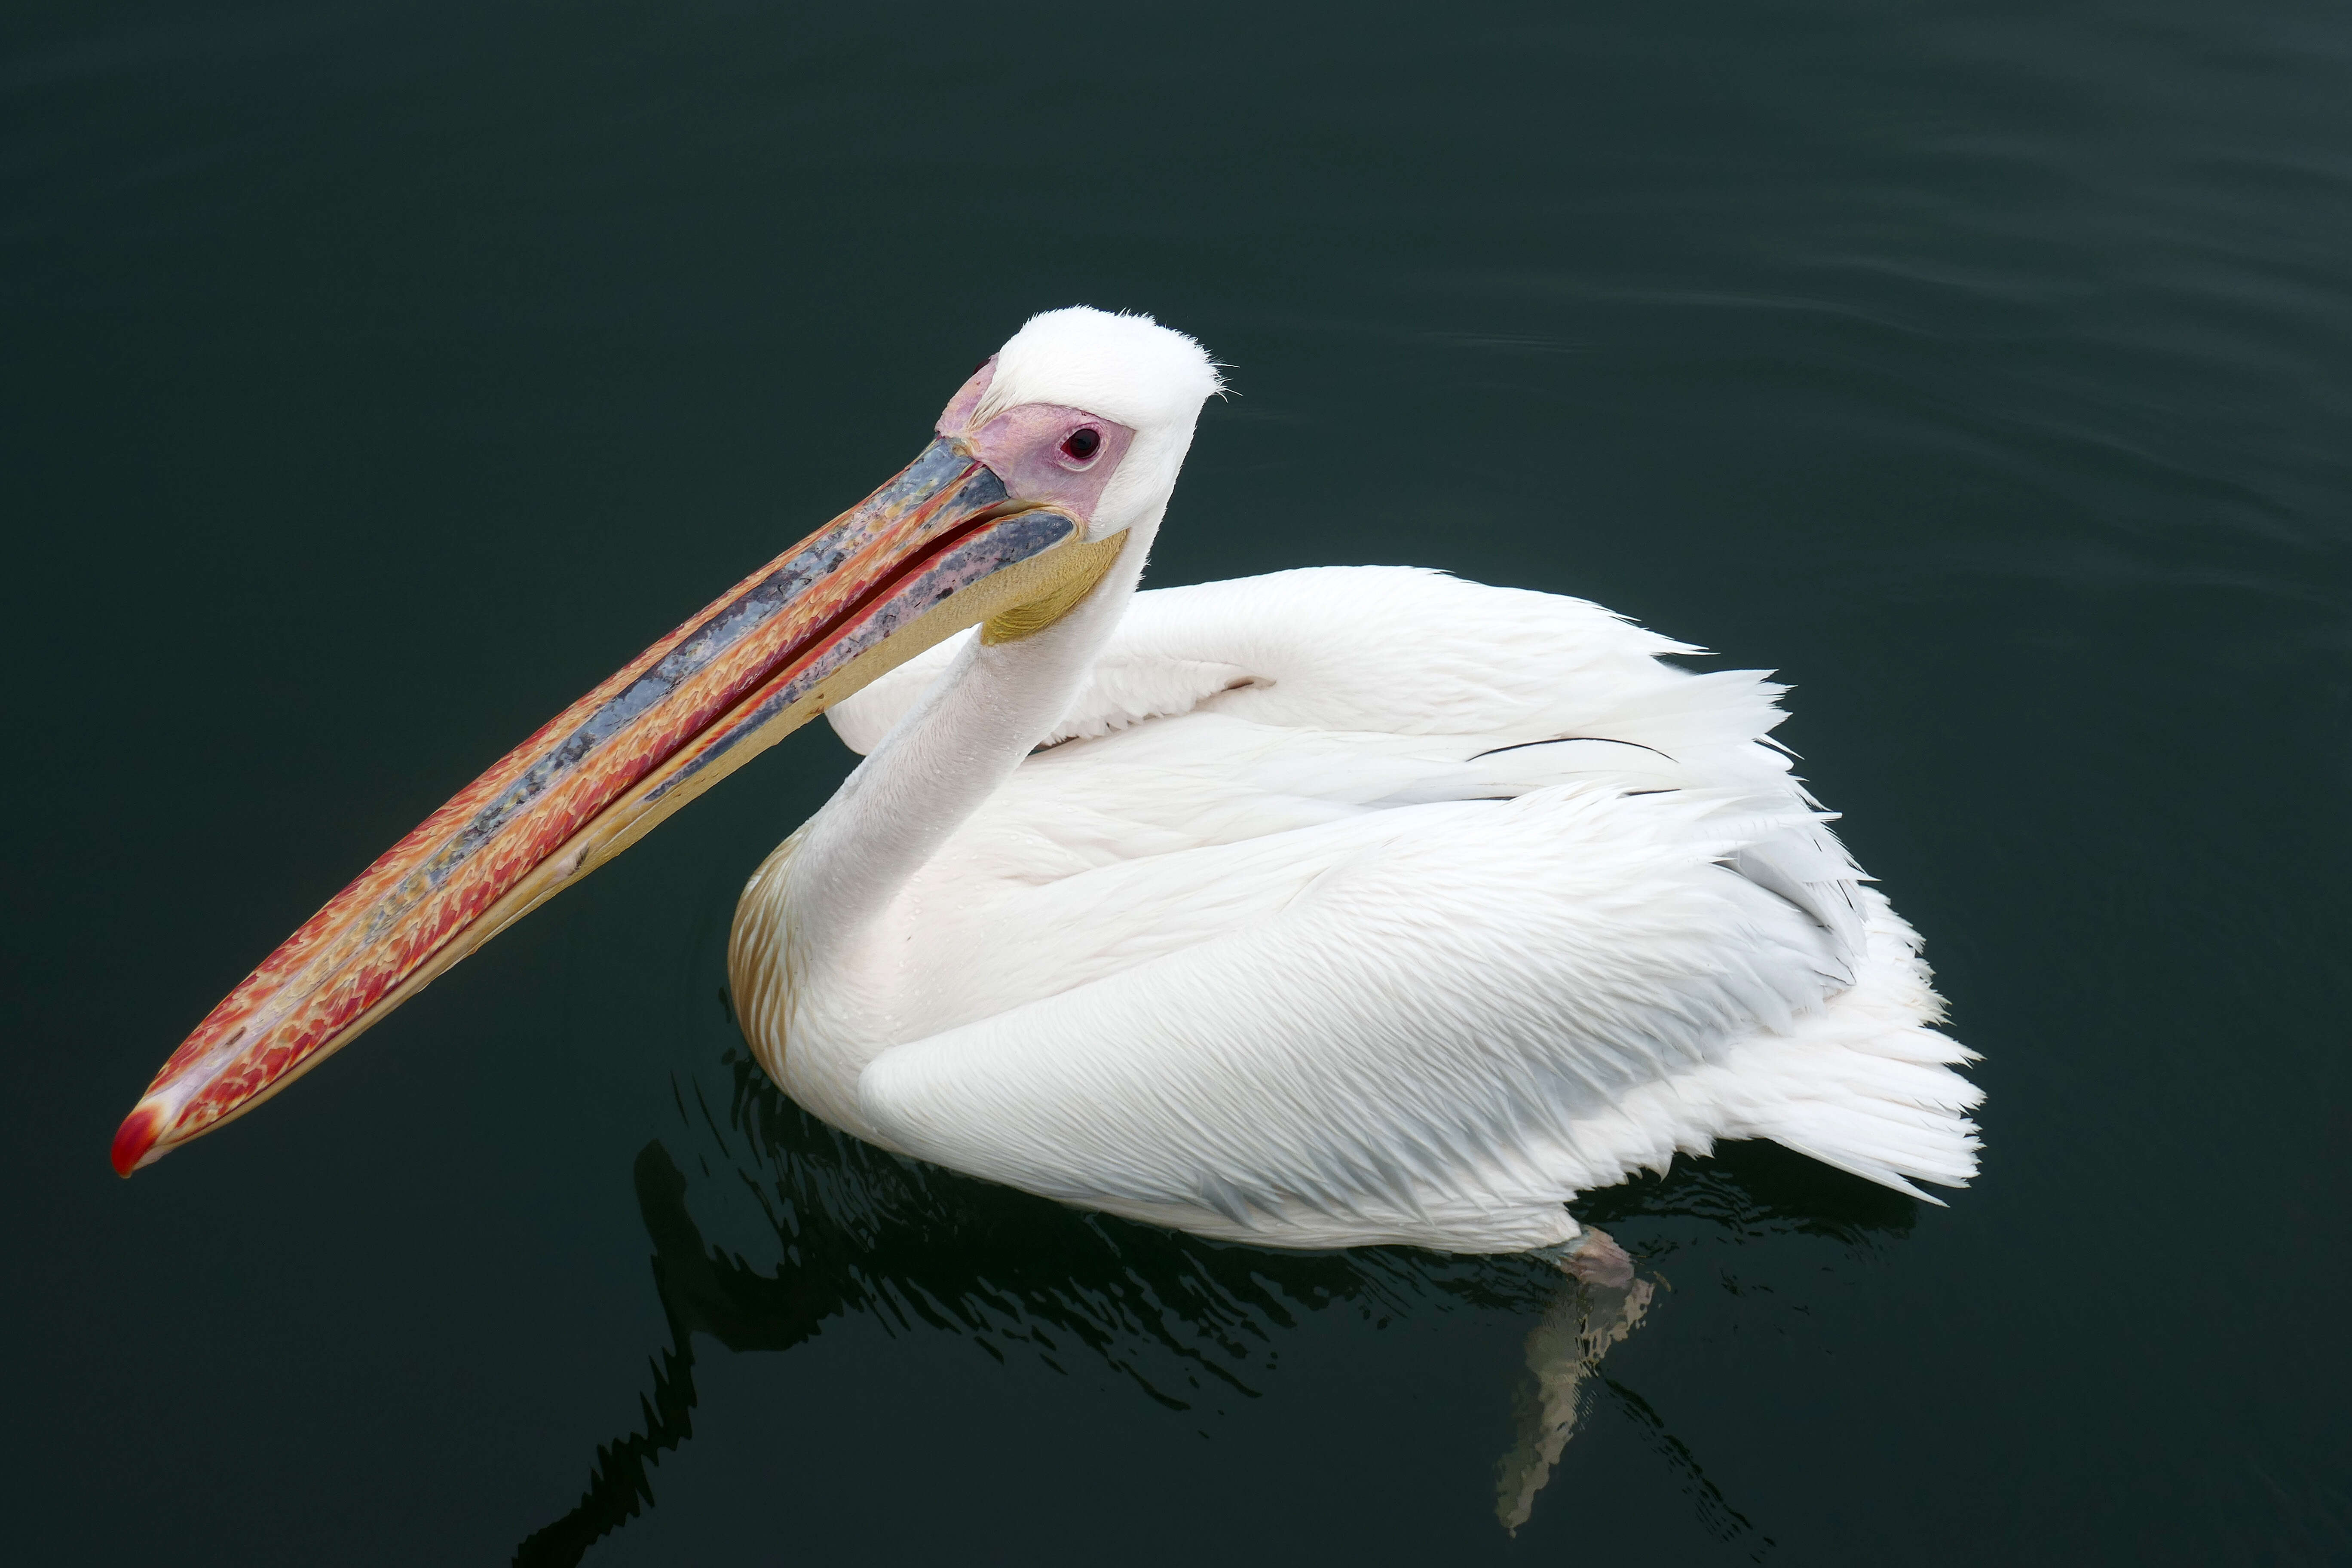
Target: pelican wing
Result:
[1444, 1030]
[1369, 904]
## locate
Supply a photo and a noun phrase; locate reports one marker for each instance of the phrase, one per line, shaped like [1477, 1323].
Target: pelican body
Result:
[1325, 909]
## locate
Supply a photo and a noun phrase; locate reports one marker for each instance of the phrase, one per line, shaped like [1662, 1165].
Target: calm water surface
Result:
[379, 376]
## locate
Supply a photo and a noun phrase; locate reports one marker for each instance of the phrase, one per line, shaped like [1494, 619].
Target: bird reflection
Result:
[1564, 1355]
[865, 1232]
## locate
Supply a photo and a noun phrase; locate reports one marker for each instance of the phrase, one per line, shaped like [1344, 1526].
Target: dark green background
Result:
[378, 377]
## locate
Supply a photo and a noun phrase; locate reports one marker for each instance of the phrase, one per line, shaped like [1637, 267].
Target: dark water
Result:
[378, 377]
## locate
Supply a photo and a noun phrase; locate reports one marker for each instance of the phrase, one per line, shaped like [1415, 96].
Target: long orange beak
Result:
[938, 548]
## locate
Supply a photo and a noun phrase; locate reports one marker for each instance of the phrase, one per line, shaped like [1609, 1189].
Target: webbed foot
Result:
[1596, 1259]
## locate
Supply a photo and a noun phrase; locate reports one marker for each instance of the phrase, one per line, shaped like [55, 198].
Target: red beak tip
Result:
[135, 1139]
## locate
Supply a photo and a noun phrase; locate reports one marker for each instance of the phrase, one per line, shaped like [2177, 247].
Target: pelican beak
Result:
[941, 547]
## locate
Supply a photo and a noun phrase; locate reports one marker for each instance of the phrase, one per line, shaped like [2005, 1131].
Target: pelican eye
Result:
[1081, 445]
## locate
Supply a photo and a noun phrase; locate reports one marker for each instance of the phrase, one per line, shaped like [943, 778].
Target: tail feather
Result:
[1895, 1117]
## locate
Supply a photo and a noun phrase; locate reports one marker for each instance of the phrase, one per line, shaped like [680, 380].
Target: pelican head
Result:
[1053, 461]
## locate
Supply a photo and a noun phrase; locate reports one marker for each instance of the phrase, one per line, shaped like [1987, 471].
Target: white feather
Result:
[1287, 949]
[1334, 907]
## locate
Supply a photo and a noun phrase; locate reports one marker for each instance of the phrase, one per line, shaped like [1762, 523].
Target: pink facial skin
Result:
[1030, 447]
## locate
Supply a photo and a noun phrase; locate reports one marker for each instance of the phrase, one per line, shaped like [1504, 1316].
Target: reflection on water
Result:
[1563, 1358]
[865, 1232]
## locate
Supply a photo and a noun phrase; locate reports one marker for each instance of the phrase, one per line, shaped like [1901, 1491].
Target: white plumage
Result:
[1331, 908]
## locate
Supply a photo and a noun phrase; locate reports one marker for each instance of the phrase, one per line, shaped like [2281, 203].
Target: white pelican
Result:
[1324, 909]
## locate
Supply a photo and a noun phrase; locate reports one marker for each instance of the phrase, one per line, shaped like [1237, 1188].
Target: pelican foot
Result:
[1593, 1258]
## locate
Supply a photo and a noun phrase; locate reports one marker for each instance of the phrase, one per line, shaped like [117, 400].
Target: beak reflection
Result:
[859, 1232]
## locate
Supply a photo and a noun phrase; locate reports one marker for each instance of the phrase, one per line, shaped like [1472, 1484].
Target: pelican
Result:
[1326, 909]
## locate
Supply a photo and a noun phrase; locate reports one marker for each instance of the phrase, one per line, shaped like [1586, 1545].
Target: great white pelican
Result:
[1330, 907]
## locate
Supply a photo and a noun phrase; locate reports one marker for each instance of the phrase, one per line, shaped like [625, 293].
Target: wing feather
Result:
[1361, 904]
[1425, 1028]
